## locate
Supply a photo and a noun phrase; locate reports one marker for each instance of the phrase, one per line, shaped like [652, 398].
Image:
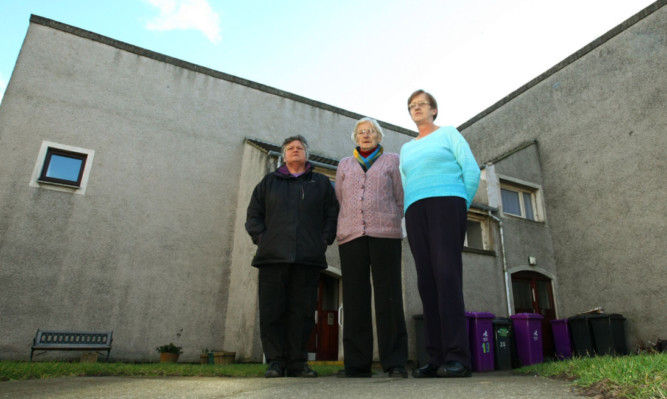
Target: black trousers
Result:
[381, 258]
[436, 231]
[287, 301]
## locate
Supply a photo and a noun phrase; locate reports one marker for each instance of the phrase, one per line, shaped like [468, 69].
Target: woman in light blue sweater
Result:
[440, 178]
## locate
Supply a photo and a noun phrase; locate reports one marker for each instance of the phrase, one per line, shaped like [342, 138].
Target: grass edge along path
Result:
[634, 377]
[12, 370]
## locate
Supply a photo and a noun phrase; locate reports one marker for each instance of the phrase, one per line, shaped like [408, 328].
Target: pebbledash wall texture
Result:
[599, 120]
[153, 245]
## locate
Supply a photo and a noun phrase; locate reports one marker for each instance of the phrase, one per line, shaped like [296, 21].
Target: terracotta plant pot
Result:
[224, 357]
[169, 357]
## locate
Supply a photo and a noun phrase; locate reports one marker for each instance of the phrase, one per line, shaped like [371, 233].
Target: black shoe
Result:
[453, 370]
[397, 372]
[354, 373]
[304, 371]
[428, 371]
[274, 371]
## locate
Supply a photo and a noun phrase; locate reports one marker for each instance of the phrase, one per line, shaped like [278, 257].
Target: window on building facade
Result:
[63, 167]
[474, 235]
[521, 201]
[477, 233]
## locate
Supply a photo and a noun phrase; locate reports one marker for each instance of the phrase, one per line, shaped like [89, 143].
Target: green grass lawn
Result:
[27, 370]
[635, 376]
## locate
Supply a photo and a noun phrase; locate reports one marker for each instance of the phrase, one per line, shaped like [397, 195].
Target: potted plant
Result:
[169, 353]
[223, 357]
[206, 356]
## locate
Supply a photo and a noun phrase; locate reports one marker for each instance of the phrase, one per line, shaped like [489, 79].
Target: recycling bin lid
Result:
[480, 315]
[526, 316]
[559, 321]
[580, 317]
[502, 320]
[596, 316]
[606, 316]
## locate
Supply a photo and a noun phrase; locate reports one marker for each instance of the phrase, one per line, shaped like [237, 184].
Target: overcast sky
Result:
[365, 56]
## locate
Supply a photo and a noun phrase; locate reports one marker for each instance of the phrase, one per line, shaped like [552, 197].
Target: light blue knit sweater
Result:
[438, 165]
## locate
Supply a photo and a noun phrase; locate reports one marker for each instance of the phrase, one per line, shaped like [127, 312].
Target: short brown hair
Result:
[431, 100]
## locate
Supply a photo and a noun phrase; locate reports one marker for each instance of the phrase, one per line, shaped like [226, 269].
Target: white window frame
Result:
[523, 187]
[39, 166]
[484, 222]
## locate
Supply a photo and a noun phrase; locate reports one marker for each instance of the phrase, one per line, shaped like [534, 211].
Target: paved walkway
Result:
[496, 384]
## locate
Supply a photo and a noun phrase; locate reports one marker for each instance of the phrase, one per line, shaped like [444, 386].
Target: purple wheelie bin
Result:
[480, 333]
[528, 336]
[562, 343]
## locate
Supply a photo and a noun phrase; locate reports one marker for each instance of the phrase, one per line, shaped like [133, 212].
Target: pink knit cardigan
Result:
[371, 203]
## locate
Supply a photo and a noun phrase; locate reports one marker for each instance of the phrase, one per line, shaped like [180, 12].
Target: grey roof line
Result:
[200, 69]
[271, 90]
[569, 60]
[268, 147]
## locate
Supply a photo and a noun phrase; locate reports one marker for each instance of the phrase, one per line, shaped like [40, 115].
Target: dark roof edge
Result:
[200, 69]
[569, 60]
[268, 148]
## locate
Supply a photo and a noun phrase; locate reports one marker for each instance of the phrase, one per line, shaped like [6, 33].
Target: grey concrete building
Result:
[148, 240]
[587, 141]
[150, 243]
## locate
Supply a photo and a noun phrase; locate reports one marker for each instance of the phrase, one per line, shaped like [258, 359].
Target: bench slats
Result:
[71, 340]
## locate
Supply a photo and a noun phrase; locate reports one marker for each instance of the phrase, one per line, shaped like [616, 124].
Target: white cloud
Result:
[184, 15]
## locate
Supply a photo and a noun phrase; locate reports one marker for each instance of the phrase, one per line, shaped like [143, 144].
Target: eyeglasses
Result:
[419, 104]
[369, 132]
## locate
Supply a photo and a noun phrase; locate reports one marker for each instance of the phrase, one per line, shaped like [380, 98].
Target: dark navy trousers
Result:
[287, 301]
[436, 229]
[380, 258]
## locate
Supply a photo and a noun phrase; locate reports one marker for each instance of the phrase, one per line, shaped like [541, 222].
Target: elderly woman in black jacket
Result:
[291, 218]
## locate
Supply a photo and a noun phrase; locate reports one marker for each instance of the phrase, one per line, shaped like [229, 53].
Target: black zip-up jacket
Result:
[292, 219]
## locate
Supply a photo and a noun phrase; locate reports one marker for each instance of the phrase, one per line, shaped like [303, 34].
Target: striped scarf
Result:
[367, 162]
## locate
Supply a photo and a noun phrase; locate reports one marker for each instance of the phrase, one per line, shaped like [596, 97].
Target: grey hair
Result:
[373, 122]
[288, 140]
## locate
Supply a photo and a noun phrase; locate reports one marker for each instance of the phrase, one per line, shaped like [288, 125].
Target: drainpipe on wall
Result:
[505, 273]
[279, 157]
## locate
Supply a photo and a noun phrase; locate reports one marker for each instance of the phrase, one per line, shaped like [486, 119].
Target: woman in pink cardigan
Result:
[370, 193]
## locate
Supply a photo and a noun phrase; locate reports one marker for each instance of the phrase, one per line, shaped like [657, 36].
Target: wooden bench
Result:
[71, 341]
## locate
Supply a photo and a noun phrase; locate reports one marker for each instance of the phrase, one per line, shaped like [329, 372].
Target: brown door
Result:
[533, 293]
[324, 338]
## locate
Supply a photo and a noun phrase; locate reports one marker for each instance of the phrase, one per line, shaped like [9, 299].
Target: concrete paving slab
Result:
[497, 384]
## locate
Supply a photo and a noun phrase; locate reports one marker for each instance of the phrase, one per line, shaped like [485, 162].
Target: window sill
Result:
[479, 251]
[72, 186]
[509, 216]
